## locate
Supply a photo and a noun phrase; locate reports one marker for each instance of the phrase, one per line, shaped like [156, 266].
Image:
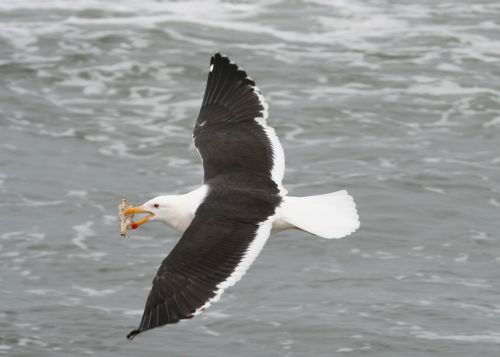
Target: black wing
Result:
[213, 254]
[231, 132]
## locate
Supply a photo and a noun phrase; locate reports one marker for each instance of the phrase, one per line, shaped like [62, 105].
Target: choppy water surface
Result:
[397, 101]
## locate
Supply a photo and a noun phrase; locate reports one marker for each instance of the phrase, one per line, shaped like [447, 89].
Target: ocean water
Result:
[396, 101]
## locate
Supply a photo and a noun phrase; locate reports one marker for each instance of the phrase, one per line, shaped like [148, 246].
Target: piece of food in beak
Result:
[134, 210]
[125, 219]
[127, 213]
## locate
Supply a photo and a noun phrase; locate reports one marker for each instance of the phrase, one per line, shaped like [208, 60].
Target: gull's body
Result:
[179, 211]
[226, 221]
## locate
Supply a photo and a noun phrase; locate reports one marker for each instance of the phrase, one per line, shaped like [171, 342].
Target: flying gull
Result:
[226, 222]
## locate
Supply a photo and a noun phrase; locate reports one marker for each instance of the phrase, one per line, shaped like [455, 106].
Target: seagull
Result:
[228, 219]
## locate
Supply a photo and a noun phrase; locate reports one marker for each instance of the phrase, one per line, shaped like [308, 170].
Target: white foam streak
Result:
[492, 337]
[94, 292]
[83, 231]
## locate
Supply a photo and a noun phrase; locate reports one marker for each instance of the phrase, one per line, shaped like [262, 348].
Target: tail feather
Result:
[332, 215]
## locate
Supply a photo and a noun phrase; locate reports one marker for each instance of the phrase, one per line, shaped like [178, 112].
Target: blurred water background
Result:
[396, 101]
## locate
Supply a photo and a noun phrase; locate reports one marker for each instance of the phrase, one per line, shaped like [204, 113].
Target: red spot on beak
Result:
[134, 225]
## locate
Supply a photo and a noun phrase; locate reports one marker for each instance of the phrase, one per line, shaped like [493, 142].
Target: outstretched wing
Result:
[231, 133]
[214, 253]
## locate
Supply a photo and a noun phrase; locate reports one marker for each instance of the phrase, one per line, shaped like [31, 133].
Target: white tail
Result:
[332, 215]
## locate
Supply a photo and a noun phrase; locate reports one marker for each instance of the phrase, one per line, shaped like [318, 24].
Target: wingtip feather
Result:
[132, 334]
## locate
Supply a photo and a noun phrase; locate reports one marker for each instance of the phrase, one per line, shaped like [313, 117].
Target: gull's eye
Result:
[156, 205]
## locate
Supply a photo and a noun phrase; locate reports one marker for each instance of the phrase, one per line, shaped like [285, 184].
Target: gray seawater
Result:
[396, 101]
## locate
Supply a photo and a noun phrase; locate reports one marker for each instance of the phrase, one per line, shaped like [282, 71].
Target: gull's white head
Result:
[162, 208]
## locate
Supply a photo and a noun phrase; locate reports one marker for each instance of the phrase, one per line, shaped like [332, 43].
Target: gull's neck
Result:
[181, 208]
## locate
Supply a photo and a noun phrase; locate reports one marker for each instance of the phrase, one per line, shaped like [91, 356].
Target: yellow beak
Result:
[136, 210]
